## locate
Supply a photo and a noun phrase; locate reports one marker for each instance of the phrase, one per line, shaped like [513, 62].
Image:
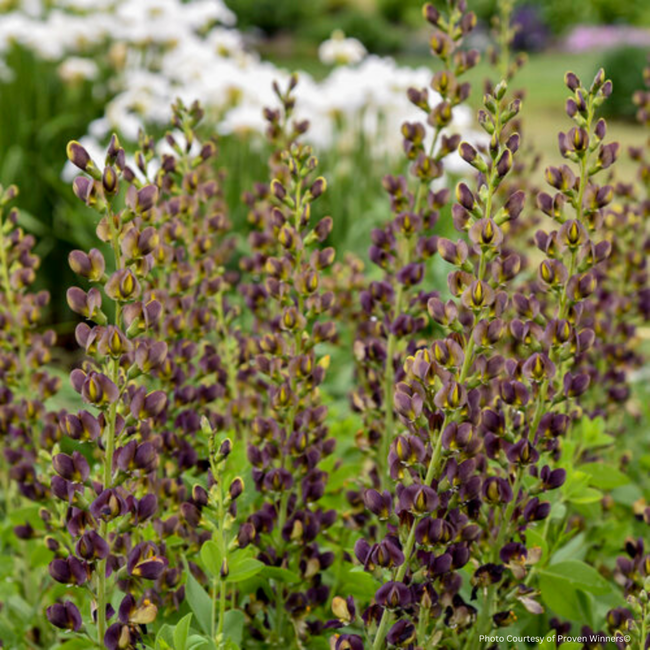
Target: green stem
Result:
[386, 616]
[504, 37]
[222, 607]
[215, 601]
[389, 380]
[102, 595]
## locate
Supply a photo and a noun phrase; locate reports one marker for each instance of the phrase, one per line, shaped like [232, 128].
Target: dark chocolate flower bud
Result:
[552, 479]
[120, 636]
[70, 571]
[349, 642]
[486, 234]
[469, 154]
[575, 385]
[64, 615]
[496, 490]
[88, 304]
[89, 265]
[145, 562]
[236, 488]
[72, 468]
[478, 295]
[571, 80]
[344, 609]
[379, 504]
[453, 253]
[108, 505]
[401, 634]
[110, 181]
[432, 15]
[539, 367]
[418, 499]
[523, 453]
[393, 595]
[146, 198]
[79, 157]
[92, 547]
[123, 286]
[318, 187]
[536, 510]
[504, 163]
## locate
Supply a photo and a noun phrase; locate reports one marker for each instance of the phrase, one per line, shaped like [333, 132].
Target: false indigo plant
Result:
[103, 486]
[27, 424]
[392, 307]
[202, 493]
[289, 435]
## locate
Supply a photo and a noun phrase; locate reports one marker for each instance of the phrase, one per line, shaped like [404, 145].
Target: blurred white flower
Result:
[75, 69]
[339, 50]
[244, 119]
[163, 49]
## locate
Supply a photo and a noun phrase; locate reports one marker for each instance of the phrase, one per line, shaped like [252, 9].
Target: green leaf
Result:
[356, 582]
[211, 557]
[627, 495]
[586, 495]
[164, 638]
[233, 626]
[241, 567]
[73, 644]
[578, 575]
[559, 597]
[196, 642]
[200, 603]
[181, 632]
[592, 433]
[576, 488]
[604, 477]
[283, 575]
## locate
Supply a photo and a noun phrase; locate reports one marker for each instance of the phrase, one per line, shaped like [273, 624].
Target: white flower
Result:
[172, 48]
[75, 69]
[339, 50]
[243, 119]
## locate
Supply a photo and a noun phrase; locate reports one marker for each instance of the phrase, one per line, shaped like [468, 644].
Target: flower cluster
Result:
[289, 435]
[485, 409]
[206, 483]
[392, 307]
[26, 425]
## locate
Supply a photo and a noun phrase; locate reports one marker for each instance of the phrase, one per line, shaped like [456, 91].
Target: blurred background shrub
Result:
[624, 67]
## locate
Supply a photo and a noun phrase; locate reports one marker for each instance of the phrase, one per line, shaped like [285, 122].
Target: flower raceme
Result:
[204, 484]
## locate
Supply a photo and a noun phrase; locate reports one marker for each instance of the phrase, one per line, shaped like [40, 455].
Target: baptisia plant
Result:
[485, 407]
[289, 435]
[27, 421]
[209, 489]
[103, 483]
[392, 307]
